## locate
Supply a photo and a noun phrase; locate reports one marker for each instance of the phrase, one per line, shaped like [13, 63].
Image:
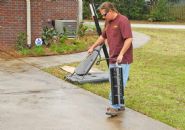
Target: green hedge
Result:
[160, 12]
[138, 9]
[133, 9]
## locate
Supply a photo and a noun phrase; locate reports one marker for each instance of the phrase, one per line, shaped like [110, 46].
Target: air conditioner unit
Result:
[70, 26]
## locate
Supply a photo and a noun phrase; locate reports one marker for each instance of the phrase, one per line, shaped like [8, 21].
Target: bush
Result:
[134, 9]
[86, 10]
[82, 30]
[159, 12]
[21, 41]
[48, 35]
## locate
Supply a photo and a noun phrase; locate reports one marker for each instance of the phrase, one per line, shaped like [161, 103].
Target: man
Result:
[118, 34]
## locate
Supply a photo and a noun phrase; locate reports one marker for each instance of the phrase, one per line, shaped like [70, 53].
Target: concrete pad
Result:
[71, 69]
[140, 39]
[31, 99]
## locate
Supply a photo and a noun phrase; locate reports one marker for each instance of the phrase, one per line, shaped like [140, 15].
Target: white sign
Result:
[38, 42]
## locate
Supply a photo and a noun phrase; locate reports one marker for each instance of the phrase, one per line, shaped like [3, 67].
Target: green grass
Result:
[157, 78]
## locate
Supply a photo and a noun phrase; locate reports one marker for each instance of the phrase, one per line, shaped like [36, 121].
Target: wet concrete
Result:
[34, 100]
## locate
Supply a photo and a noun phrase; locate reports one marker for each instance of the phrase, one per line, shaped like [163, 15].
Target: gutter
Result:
[79, 14]
[28, 5]
[80, 10]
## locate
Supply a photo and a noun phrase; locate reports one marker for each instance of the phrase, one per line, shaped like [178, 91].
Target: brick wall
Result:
[13, 17]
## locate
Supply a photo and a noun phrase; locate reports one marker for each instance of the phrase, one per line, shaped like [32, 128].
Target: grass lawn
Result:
[157, 78]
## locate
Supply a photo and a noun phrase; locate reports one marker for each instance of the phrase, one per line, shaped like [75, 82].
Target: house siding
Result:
[13, 17]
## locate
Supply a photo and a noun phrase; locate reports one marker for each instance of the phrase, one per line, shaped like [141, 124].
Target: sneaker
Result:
[122, 108]
[111, 111]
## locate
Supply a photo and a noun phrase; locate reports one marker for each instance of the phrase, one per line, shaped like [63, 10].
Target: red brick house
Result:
[15, 17]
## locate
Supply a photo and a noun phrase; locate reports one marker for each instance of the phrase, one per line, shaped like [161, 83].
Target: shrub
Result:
[82, 29]
[21, 41]
[63, 38]
[48, 34]
[86, 10]
[159, 11]
[134, 9]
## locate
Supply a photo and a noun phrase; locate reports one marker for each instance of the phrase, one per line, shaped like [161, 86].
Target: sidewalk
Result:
[144, 25]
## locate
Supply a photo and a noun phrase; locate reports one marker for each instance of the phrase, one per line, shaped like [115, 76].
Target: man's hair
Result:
[107, 6]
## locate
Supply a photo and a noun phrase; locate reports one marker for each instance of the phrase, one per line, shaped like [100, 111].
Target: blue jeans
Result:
[125, 68]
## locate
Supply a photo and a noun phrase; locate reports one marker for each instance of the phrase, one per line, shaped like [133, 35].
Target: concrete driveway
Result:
[31, 99]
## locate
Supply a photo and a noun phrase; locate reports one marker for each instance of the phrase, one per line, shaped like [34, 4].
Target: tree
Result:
[133, 9]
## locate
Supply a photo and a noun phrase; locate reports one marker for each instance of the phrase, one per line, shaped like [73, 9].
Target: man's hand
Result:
[98, 42]
[91, 49]
[119, 58]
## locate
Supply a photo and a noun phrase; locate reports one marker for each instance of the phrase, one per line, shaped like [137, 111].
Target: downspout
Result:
[80, 10]
[28, 5]
[79, 15]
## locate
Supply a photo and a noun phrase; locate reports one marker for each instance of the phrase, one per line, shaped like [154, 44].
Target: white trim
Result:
[80, 10]
[28, 5]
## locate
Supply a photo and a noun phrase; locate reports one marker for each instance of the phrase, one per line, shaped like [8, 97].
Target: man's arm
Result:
[127, 44]
[98, 42]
